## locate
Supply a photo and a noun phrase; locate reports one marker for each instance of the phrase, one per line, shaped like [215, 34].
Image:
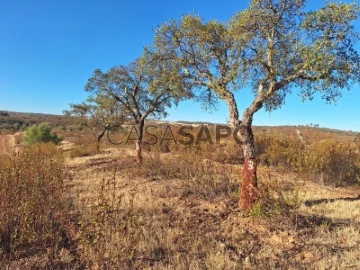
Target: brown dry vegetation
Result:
[179, 209]
[10, 143]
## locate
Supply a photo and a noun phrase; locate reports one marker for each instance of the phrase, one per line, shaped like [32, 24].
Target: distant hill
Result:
[15, 121]
[310, 134]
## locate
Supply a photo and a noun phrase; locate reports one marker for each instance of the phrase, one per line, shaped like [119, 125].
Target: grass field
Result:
[179, 210]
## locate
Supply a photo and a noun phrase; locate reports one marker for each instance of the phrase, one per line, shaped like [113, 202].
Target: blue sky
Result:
[49, 48]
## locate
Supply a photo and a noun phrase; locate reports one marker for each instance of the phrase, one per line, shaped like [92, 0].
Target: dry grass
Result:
[165, 216]
[179, 211]
[35, 212]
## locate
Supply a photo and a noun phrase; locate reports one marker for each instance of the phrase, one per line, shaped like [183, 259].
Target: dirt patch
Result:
[11, 143]
[66, 145]
[7, 143]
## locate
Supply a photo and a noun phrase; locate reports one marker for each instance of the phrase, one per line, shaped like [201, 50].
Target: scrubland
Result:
[69, 207]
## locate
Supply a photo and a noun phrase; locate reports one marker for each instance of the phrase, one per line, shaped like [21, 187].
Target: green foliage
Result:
[98, 114]
[41, 134]
[276, 203]
[209, 56]
[313, 51]
[144, 88]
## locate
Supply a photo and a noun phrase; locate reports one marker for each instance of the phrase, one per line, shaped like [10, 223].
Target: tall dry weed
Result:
[34, 208]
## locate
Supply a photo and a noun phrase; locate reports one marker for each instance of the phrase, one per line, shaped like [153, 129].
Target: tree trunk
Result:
[97, 145]
[98, 140]
[139, 157]
[233, 109]
[138, 142]
[249, 188]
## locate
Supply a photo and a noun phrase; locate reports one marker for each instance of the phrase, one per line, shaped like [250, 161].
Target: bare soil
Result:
[7, 143]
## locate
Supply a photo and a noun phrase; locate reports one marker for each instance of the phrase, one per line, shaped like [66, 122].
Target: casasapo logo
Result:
[183, 134]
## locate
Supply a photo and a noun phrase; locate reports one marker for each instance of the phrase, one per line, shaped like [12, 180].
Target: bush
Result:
[4, 113]
[84, 150]
[34, 207]
[331, 161]
[84, 146]
[41, 134]
[277, 203]
[281, 152]
[336, 163]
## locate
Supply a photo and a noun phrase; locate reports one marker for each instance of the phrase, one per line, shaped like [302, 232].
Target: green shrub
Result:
[41, 134]
[277, 203]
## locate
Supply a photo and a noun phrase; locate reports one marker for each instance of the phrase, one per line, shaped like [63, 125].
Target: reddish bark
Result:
[249, 189]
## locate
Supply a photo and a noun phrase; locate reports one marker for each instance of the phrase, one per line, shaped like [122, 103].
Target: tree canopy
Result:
[99, 114]
[210, 57]
[145, 88]
[290, 48]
